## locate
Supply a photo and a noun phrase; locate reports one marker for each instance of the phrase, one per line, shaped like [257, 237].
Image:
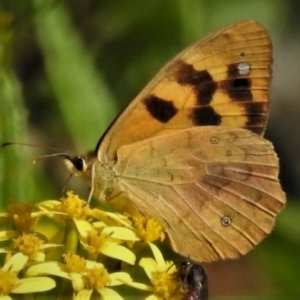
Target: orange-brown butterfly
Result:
[188, 149]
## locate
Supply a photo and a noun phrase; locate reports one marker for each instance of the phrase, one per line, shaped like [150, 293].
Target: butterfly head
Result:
[79, 165]
[100, 181]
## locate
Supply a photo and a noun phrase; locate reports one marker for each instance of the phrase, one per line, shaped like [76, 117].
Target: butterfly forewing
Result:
[221, 80]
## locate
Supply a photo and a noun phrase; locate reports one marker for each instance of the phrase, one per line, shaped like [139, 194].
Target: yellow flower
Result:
[69, 207]
[73, 263]
[75, 207]
[86, 276]
[106, 241]
[10, 283]
[30, 245]
[143, 228]
[20, 217]
[110, 218]
[103, 237]
[163, 277]
[148, 229]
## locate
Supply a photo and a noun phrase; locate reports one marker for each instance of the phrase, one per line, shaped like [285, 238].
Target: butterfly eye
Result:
[79, 163]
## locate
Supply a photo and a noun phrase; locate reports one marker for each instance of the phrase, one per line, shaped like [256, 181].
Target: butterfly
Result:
[194, 281]
[189, 150]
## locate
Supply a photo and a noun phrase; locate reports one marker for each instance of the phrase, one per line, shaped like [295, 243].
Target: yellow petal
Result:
[5, 297]
[90, 264]
[119, 252]
[109, 294]
[47, 213]
[118, 278]
[49, 204]
[46, 246]
[36, 284]
[51, 268]
[99, 225]
[40, 256]
[140, 286]
[149, 265]
[105, 216]
[5, 250]
[121, 233]
[7, 235]
[16, 263]
[83, 295]
[158, 257]
[77, 281]
[84, 227]
[152, 297]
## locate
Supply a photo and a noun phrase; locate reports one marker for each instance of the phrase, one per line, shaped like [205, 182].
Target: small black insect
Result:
[194, 281]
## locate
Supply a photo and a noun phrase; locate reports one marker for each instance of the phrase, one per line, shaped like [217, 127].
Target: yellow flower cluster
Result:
[81, 252]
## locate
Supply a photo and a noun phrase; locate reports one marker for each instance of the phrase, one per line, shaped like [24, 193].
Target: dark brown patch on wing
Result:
[160, 109]
[201, 81]
[237, 86]
[204, 116]
[256, 114]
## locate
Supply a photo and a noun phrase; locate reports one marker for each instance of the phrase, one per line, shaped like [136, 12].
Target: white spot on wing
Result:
[244, 68]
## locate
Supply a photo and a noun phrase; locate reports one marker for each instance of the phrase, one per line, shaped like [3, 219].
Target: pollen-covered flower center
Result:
[148, 229]
[74, 263]
[96, 278]
[96, 241]
[28, 244]
[164, 284]
[75, 207]
[8, 281]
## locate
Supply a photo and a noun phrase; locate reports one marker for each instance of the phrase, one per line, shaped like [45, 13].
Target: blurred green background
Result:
[67, 68]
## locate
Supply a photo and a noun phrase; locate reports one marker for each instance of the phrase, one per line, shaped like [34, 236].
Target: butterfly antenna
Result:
[31, 145]
[59, 153]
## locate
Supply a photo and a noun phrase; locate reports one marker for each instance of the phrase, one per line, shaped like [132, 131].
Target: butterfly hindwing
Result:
[216, 189]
